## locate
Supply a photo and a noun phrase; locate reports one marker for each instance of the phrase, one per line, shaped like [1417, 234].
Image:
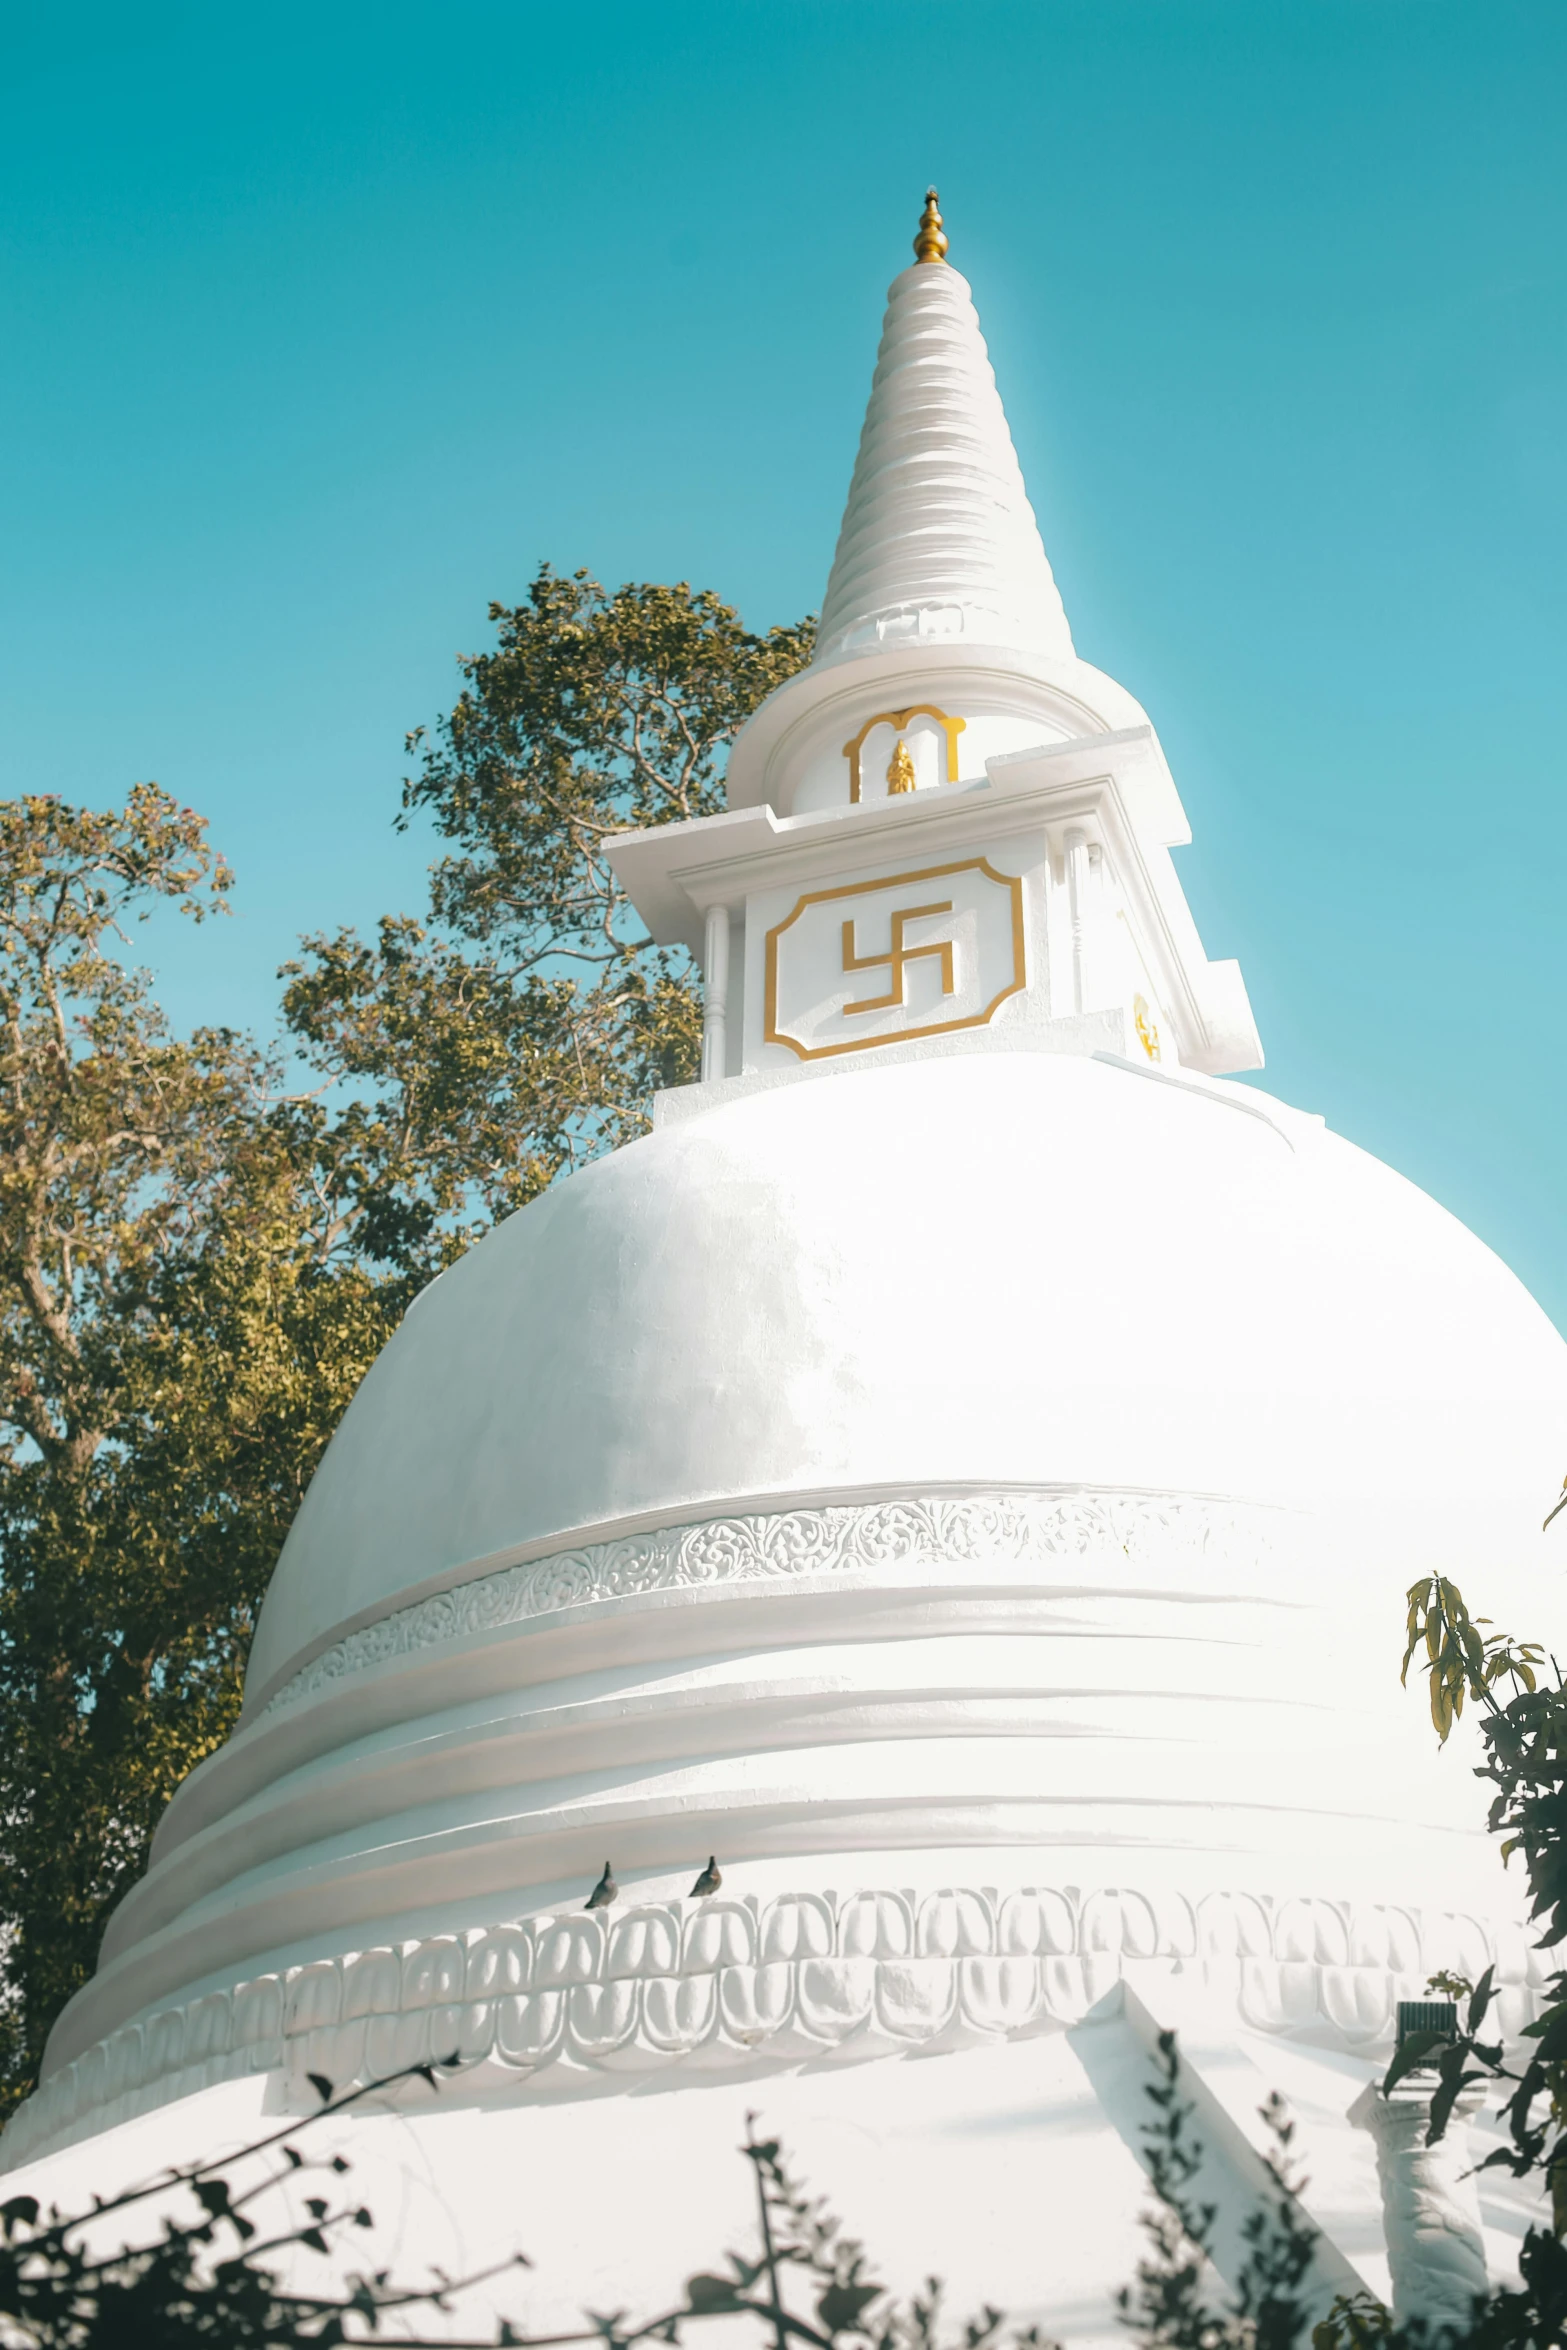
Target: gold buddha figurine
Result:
[900, 769]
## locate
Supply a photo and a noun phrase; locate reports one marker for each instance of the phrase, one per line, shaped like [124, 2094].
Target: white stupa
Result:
[961, 1470]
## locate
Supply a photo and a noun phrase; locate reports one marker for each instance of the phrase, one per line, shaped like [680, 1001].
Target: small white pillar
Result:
[715, 994]
[1430, 2206]
[1077, 904]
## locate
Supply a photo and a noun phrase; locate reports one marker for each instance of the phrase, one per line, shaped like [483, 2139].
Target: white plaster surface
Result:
[617, 2201]
[1012, 2172]
[994, 1269]
[789, 754]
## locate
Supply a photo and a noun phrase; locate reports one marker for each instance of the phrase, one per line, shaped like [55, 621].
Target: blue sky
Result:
[321, 327]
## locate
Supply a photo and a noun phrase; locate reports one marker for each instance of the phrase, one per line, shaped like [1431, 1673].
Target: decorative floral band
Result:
[926, 1530]
[559, 2001]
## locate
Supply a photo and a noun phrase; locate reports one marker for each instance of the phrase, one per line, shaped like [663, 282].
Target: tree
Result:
[199, 1262]
[521, 1029]
[1524, 1742]
[174, 1352]
[449, 1093]
[597, 711]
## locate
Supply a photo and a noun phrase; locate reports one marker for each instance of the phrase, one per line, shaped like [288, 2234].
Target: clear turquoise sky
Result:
[321, 327]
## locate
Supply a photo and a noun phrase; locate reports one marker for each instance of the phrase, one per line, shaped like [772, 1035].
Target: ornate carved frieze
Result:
[922, 1531]
[557, 2001]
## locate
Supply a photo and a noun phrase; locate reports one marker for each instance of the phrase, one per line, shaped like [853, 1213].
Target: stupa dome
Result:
[978, 1455]
[960, 1471]
[1013, 1270]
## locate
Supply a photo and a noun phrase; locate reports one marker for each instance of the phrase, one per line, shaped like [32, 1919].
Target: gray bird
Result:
[603, 1892]
[708, 1882]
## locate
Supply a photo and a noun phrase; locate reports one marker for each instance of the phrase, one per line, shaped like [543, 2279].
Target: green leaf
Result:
[707, 2294]
[1417, 2050]
[841, 2307]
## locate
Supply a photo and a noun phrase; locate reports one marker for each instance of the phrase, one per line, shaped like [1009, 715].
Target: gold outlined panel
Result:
[896, 959]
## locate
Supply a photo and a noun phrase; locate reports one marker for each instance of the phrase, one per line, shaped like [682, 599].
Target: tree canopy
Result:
[205, 1240]
[595, 713]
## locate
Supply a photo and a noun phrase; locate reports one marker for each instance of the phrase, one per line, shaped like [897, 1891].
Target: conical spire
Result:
[938, 539]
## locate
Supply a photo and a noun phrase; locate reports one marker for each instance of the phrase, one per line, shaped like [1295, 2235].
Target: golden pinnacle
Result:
[930, 244]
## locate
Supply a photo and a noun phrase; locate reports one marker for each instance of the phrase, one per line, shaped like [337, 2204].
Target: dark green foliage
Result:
[799, 2236]
[1524, 1740]
[1173, 2304]
[175, 1348]
[597, 712]
[204, 2266]
[202, 1251]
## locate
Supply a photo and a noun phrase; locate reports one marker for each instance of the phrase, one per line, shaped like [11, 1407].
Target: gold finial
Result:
[930, 244]
[900, 770]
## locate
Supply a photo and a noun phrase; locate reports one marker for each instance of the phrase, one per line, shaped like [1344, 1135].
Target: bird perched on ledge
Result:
[708, 1882]
[603, 1892]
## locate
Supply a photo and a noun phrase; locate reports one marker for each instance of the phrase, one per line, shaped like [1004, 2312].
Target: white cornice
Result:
[674, 872]
[1118, 786]
[560, 2005]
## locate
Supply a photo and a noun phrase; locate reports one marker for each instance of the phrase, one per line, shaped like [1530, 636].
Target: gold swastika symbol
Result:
[897, 959]
[808, 953]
